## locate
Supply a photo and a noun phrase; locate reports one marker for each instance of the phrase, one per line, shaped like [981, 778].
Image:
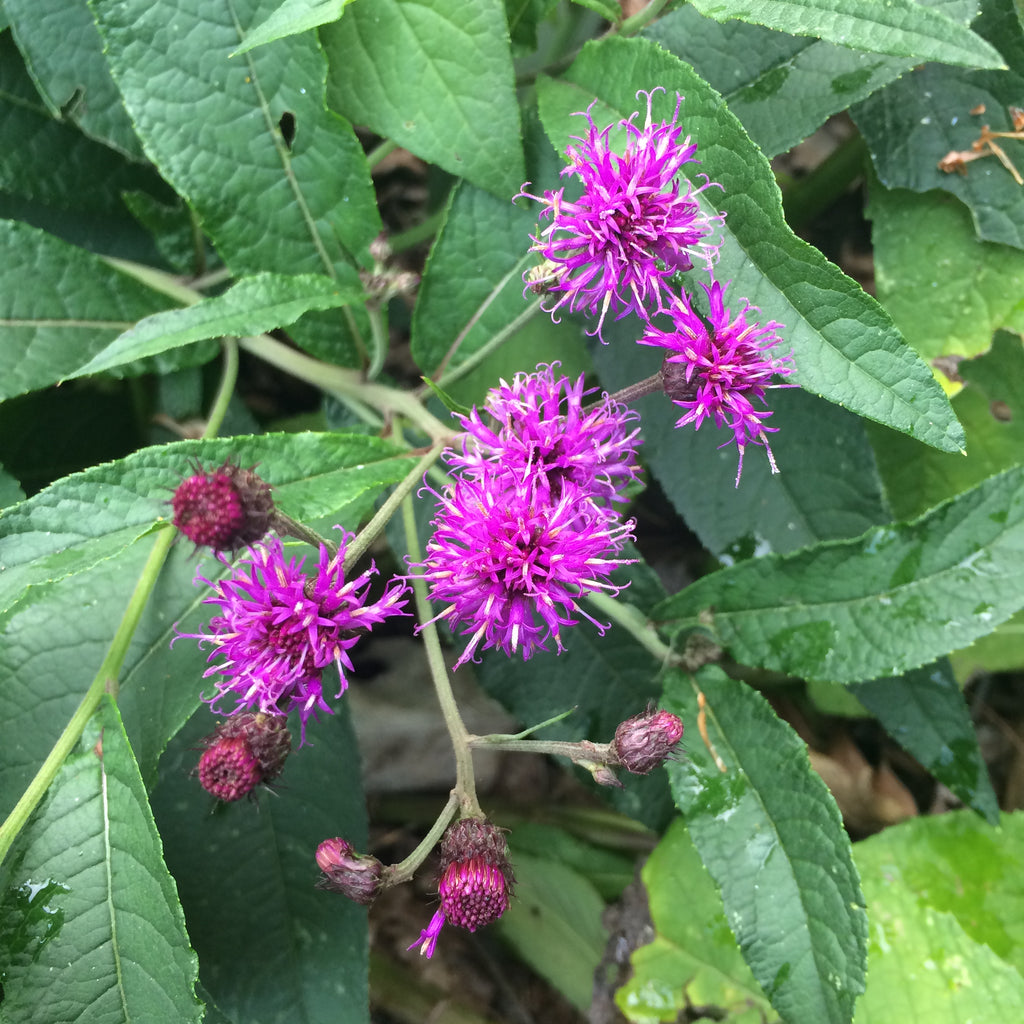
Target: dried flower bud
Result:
[354, 875]
[244, 751]
[643, 742]
[604, 776]
[225, 509]
[476, 880]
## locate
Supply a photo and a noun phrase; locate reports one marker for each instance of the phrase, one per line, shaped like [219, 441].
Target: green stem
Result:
[105, 679]
[465, 782]
[288, 527]
[403, 871]
[583, 752]
[635, 623]
[381, 150]
[378, 341]
[158, 280]
[642, 18]
[807, 198]
[347, 383]
[420, 233]
[375, 527]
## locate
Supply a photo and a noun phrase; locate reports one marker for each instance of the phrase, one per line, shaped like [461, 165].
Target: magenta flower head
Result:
[538, 425]
[476, 880]
[718, 367]
[355, 875]
[244, 751]
[646, 740]
[278, 629]
[224, 508]
[510, 562]
[635, 224]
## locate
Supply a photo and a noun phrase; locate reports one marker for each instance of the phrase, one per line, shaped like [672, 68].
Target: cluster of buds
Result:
[243, 752]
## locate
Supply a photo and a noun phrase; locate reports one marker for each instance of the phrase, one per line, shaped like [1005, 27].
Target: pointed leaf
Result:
[292, 17]
[902, 28]
[892, 600]
[90, 516]
[212, 126]
[925, 713]
[772, 838]
[436, 77]
[262, 302]
[90, 914]
[845, 347]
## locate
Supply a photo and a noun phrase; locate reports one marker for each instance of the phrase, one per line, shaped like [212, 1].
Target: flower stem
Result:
[642, 18]
[579, 753]
[403, 871]
[465, 782]
[647, 386]
[635, 623]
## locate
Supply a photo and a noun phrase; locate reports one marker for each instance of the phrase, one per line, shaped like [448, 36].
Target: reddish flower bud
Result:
[354, 875]
[225, 509]
[643, 742]
[243, 752]
[476, 880]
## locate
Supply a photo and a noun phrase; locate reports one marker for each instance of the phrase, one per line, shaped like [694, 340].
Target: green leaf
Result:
[606, 8]
[991, 407]
[554, 924]
[928, 114]
[694, 959]
[845, 347]
[65, 56]
[946, 941]
[436, 78]
[212, 127]
[10, 490]
[892, 600]
[1001, 651]
[827, 486]
[925, 713]
[292, 17]
[59, 305]
[88, 517]
[772, 838]
[478, 251]
[901, 28]
[89, 900]
[246, 875]
[781, 88]
[947, 291]
[262, 302]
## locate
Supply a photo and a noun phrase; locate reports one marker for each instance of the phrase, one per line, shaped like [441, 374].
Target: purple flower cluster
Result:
[527, 524]
[618, 247]
[279, 629]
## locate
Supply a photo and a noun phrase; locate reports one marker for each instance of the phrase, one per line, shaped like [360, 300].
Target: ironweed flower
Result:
[243, 752]
[224, 508]
[635, 224]
[476, 880]
[510, 561]
[279, 629]
[719, 366]
[646, 740]
[355, 875]
[537, 425]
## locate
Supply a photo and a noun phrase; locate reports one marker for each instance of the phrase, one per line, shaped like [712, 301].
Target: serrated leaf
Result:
[896, 598]
[65, 56]
[91, 917]
[1001, 651]
[212, 127]
[947, 291]
[827, 487]
[772, 838]
[694, 959]
[254, 305]
[59, 305]
[88, 517]
[484, 240]
[928, 114]
[925, 713]
[554, 924]
[845, 347]
[945, 902]
[435, 78]
[292, 17]
[246, 876]
[902, 28]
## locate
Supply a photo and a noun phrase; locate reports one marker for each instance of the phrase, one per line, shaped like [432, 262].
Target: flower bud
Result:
[643, 742]
[224, 509]
[243, 752]
[354, 875]
[476, 880]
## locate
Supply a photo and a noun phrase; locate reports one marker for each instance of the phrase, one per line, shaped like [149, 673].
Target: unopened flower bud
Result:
[644, 741]
[224, 509]
[244, 752]
[604, 776]
[354, 875]
[476, 880]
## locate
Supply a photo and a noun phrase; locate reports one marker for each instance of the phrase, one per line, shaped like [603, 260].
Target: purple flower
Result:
[278, 629]
[510, 560]
[718, 368]
[634, 225]
[537, 425]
